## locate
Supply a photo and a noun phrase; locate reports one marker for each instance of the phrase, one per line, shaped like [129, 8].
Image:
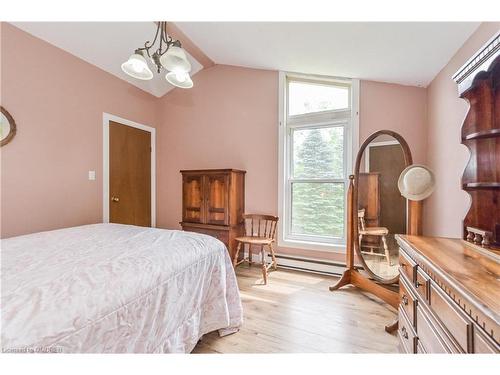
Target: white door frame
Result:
[106, 118]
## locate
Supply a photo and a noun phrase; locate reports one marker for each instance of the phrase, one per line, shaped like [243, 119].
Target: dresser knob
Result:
[404, 333]
[404, 299]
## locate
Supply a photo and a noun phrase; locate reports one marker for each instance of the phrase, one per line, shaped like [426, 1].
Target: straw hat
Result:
[416, 182]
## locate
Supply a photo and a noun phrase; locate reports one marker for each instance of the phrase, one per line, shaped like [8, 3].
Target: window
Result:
[316, 132]
[308, 97]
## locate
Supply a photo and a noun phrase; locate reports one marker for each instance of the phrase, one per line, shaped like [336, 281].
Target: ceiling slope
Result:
[409, 53]
[106, 45]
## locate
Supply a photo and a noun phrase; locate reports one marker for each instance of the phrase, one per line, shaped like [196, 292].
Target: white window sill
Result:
[310, 245]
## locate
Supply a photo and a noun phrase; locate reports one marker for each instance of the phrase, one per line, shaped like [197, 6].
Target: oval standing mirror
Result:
[380, 210]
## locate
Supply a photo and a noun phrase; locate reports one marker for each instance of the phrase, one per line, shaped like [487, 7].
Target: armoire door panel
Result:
[193, 202]
[217, 199]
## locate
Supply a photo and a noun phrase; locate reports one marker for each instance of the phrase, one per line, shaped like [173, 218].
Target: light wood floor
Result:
[296, 313]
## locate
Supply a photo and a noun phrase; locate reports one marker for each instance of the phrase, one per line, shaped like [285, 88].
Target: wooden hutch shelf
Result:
[481, 185]
[489, 133]
[479, 83]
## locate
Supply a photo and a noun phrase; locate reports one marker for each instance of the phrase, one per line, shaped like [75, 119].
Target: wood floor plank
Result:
[296, 313]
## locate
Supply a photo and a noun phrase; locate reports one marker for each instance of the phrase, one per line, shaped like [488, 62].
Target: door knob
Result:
[115, 199]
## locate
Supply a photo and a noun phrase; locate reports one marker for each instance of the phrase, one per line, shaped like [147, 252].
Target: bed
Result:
[111, 288]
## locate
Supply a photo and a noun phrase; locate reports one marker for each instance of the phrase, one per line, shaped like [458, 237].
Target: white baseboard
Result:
[304, 264]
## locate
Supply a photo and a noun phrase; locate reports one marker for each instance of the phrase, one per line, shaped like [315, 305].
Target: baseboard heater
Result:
[307, 264]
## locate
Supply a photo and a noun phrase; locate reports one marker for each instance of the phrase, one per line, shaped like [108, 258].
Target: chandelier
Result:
[169, 55]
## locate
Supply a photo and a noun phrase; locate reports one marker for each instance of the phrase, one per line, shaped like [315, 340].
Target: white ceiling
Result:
[104, 44]
[406, 53]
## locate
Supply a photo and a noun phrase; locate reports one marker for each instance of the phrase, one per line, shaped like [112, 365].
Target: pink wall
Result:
[402, 109]
[57, 101]
[229, 120]
[447, 206]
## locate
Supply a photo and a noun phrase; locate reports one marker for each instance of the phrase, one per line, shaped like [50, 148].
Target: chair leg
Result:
[386, 250]
[235, 259]
[264, 266]
[271, 249]
[250, 255]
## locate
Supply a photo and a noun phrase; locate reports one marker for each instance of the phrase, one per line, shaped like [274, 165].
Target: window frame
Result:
[346, 118]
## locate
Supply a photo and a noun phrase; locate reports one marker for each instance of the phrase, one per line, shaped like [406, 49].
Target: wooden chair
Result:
[260, 230]
[382, 232]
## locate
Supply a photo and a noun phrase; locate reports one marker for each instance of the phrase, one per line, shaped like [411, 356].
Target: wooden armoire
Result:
[213, 203]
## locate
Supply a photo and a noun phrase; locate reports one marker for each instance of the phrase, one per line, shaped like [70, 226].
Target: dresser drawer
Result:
[457, 324]
[407, 266]
[406, 334]
[420, 348]
[422, 285]
[484, 344]
[407, 300]
[427, 334]
[458, 295]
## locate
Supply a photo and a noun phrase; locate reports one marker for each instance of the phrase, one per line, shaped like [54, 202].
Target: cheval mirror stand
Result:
[384, 289]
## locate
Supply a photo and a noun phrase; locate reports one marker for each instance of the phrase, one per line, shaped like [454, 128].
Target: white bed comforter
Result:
[115, 288]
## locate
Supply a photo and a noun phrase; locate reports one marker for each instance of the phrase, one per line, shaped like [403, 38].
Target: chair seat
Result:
[375, 231]
[255, 240]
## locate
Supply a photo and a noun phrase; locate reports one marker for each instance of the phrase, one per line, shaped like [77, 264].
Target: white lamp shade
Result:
[137, 67]
[175, 60]
[179, 79]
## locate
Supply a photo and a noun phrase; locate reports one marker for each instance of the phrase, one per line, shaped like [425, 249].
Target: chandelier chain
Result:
[165, 39]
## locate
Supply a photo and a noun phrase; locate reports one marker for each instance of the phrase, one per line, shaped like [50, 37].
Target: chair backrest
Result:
[361, 219]
[261, 225]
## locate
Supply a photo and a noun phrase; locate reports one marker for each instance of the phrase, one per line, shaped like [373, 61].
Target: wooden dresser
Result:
[449, 297]
[213, 203]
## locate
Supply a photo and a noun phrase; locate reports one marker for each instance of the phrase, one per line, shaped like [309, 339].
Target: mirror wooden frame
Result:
[352, 276]
[12, 130]
[409, 209]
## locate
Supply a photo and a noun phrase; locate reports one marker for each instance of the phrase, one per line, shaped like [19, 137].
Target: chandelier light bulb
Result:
[137, 67]
[175, 60]
[181, 76]
[179, 79]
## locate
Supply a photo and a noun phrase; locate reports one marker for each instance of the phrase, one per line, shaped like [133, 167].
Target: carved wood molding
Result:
[480, 61]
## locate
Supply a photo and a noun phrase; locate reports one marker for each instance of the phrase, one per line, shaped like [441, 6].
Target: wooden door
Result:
[389, 161]
[129, 175]
[193, 210]
[217, 199]
[369, 198]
